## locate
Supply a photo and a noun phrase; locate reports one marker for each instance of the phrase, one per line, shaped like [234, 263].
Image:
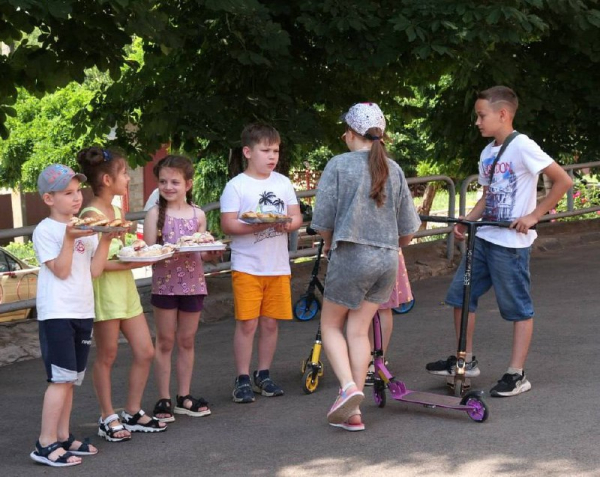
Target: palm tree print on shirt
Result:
[269, 202]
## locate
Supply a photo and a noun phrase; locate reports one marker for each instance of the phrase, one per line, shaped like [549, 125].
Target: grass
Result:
[440, 201]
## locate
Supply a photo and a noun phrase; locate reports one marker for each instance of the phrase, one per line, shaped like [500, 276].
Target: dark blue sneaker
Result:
[242, 392]
[264, 385]
[511, 385]
[447, 367]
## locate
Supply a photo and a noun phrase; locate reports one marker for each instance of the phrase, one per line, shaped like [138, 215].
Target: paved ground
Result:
[550, 431]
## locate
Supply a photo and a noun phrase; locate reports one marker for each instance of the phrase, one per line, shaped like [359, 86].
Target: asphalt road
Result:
[550, 431]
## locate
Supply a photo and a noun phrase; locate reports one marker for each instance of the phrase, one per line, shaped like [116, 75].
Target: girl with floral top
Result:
[178, 286]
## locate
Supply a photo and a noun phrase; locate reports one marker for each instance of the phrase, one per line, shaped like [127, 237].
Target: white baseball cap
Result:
[363, 116]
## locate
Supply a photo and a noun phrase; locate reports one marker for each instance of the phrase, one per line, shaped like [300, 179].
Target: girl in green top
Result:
[117, 306]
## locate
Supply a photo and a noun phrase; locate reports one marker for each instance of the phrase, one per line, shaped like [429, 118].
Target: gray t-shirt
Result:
[344, 206]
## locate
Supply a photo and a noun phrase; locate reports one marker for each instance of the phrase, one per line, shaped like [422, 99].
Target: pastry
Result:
[138, 245]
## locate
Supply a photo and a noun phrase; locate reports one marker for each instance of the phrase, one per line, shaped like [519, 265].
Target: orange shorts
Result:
[255, 296]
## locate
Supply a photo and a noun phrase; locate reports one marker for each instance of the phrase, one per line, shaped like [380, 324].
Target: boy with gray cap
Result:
[69, 258]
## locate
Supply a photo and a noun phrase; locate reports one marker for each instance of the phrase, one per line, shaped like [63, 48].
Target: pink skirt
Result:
[402, 292]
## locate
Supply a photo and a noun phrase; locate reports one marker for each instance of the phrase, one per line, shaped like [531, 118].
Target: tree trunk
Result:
[428, 196]
[19, 211]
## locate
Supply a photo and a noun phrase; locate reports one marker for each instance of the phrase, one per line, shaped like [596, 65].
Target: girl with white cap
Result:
[363, 206]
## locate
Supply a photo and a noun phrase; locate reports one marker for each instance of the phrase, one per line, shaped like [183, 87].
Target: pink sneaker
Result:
[347, 425]
[345, 405]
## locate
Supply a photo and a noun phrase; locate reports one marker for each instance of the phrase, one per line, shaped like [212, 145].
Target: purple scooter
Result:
[472, 402]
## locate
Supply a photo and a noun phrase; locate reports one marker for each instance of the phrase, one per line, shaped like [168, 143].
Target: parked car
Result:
[18, 281]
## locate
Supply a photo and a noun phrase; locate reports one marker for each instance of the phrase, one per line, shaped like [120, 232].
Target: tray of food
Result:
[264, 218]
[139, 251]
[102, 224]
[199, 242]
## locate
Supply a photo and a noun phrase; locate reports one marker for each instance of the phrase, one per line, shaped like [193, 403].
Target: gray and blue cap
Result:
[56, 178]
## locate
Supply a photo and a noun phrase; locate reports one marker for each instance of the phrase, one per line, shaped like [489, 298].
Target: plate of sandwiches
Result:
[101, 224]
[139, 251]
[199, 242]
[264, 218]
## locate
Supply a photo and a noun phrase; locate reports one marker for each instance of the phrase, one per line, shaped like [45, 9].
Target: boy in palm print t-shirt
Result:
[260, 265]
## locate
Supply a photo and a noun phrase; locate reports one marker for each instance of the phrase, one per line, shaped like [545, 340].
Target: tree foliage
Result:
[42, 134]
[300, 65]
[208, 67]
[550, 56]
[52, 43]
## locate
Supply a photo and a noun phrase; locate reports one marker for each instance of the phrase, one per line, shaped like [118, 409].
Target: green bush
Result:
[23, 251]
[584, 195]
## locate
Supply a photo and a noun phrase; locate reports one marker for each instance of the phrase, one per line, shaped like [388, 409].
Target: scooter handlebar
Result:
[456, 220]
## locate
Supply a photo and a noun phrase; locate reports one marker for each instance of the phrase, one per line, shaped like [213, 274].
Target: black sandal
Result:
[84, 448]
[194, 409]
[108, 432]
[133, 424]
[41, 455]
[164, 406]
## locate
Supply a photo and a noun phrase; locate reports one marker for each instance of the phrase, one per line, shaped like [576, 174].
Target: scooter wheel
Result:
[304, 312]
[321, 369]
[404, 307]
[310, 381]
[478, 410]
[458, 388]
[379, 393]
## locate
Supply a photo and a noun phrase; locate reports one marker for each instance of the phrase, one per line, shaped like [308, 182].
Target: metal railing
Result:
[309, 252]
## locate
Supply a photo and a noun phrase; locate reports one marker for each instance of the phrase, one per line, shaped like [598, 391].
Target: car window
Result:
[3, 263]
[13, 265]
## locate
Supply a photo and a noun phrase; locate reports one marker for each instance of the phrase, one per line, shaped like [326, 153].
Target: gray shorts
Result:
[359, 272]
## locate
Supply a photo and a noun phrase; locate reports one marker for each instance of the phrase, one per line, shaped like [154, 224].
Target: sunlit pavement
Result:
[549, 431]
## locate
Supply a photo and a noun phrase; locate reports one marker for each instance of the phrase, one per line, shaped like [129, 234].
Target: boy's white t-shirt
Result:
[513, 193]
[72, 297]
[266, 252]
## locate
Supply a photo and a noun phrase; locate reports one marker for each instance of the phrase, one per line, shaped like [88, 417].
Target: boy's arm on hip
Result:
[561, 183]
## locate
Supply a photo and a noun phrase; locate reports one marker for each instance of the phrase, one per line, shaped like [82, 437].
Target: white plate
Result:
[154, 258]
[202, 248]
[102, 228]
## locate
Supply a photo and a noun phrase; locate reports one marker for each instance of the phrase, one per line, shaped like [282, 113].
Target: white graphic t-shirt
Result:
[514, 189]
[263, 253]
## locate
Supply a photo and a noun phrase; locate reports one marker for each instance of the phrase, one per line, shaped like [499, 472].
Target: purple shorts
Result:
[187, 303]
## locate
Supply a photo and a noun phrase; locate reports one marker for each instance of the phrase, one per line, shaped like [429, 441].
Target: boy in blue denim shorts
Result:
[69, 258]
[501, 256]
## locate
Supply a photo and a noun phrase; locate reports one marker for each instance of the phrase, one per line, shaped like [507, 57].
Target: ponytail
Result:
[378, 166]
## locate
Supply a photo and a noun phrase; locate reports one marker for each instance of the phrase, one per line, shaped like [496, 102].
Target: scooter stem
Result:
[464, 322]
